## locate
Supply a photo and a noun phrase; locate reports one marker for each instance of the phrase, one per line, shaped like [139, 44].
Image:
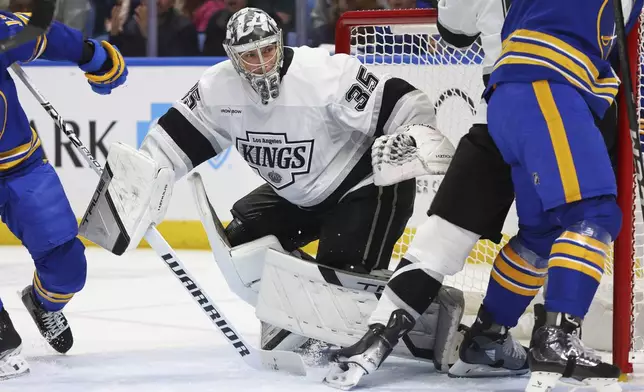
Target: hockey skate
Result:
[12, 364]
[53, 326]
[489, 350]
[558, 355]
[368, 353]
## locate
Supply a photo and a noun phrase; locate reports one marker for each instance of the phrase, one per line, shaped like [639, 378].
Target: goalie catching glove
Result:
[412, 151]
[132, 195]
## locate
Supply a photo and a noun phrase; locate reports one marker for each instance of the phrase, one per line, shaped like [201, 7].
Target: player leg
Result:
[263, 212]
[260, 213]
[12, 364]
[488, 349]
[474, 197]
[563, 154]
[39, 214]
[472, 202]
[359, 235]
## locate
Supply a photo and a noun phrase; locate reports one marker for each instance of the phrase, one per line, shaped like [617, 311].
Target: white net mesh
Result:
[452, 78]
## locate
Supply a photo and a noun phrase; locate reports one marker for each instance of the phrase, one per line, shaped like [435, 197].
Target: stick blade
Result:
[283, 361]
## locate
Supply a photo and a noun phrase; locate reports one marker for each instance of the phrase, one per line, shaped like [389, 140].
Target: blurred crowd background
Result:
[198, 27]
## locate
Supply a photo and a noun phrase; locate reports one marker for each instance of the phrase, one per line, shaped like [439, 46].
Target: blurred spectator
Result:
[177, 36]
[284, 10]
[74, 13]
[399, 4]
[216, 30]
[20, 5]
[200, 11]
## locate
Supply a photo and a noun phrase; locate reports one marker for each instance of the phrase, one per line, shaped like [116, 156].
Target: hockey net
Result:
[406, 43]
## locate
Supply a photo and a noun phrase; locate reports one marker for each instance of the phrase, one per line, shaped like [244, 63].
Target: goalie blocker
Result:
[142, 188]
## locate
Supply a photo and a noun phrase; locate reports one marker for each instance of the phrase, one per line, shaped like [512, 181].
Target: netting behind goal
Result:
[406, 43]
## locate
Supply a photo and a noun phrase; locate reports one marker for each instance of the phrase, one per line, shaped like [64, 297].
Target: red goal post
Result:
[625, 270]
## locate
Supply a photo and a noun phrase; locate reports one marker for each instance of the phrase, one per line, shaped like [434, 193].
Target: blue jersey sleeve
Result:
[60, 43]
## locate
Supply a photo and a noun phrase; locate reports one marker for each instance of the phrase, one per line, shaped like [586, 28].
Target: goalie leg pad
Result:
[132, 194]
[240, 265]
[334, 306]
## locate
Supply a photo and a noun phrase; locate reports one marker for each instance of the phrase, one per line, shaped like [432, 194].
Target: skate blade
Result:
[545, 381]
[603, 384]
[13, 365]
[284, 361]
[344, 375]
[600, 384]
[542, 381]
[469, 370]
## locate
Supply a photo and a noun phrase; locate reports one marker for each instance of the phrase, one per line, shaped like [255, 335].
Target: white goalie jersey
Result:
[308, 141]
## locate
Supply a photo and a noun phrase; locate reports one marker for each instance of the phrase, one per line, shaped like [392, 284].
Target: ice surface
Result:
[136, 329]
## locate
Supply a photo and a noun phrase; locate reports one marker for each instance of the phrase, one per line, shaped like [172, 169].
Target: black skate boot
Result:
[12, 364]
[489, 350]
[53, 326]
[557, 352]
[369, 352]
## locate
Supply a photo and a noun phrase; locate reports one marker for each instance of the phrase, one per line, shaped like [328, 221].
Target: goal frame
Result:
[624, 245]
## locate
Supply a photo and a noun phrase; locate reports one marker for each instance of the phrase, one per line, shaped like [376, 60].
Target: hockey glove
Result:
[412, 151]
[106, 70]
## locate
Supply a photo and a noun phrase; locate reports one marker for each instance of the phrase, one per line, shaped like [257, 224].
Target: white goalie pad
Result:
[133, 194]
[242, 265]
[294, 295]
[412, 151]
[320, 302]
[334, 306]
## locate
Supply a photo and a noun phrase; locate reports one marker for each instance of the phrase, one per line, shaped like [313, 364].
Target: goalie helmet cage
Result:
[406, 43]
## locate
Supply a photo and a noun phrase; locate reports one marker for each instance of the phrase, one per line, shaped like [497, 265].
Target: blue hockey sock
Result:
[49, 300]
[516, 277]
[575, 268]
[60, 273]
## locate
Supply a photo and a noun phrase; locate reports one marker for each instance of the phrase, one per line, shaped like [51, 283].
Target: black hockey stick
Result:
[627, 85]
[286, 361]
[41, 17]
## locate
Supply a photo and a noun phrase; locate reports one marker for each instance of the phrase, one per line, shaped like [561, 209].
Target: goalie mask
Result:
[254, 45]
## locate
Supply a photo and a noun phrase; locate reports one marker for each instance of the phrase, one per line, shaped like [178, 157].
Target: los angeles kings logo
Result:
[275, 158]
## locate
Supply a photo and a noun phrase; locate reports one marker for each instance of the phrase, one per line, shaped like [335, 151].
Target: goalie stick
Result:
[41, 17]
[278, 360]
